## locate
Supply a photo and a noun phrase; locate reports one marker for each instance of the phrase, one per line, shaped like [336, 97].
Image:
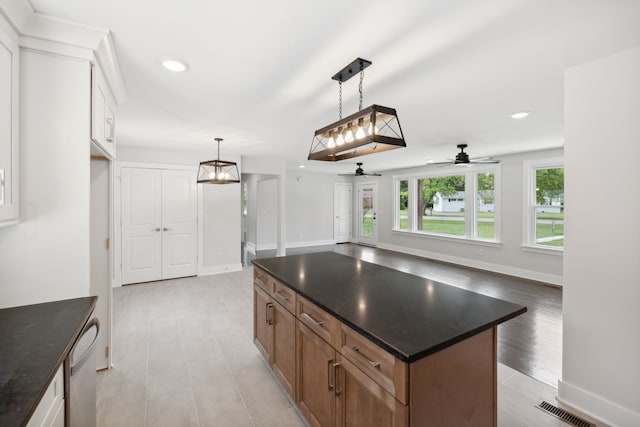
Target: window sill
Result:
[460, 239]
[543, 250]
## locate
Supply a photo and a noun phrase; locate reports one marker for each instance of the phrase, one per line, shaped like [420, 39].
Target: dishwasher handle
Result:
[77, 364]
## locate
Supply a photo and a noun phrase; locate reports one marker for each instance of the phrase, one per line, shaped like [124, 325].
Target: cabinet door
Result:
[262, 312]
[9, 174]
[102, 114]
[361, 402]
[315, 391]
[283, 353]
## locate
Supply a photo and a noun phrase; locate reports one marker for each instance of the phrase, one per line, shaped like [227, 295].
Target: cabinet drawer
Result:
[386, 370]
[284, 295]
[319, 321]
[261, 278]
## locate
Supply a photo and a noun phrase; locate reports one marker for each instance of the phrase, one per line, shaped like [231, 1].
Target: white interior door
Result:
[100, 270]
[179, 224]
[141, 225]
[368, 213]
[342, 201]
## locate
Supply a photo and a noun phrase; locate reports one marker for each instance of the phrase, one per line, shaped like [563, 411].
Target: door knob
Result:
[157, 228]
[165, 229]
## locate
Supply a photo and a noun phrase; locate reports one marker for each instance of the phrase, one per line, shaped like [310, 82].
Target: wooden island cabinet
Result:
[357, 344]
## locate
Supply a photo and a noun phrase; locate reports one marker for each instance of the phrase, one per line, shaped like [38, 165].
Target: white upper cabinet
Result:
[103, 120]
[9, 62]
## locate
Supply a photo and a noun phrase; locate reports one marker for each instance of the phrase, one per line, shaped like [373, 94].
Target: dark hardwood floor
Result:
[530, 343]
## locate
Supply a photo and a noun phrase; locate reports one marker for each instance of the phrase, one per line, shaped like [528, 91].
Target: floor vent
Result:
[565, 416]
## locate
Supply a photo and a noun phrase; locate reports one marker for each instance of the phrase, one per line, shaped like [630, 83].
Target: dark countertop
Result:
[34, 341]
[409, 316]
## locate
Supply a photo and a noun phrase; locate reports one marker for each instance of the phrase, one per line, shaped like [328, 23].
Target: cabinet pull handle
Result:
[109, 122]
[157, 229]
[335, 378]
[330, 375]
[311, 319]
[373, 363]
[269, 313]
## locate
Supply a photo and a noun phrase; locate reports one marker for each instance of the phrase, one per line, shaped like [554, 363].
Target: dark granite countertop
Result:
[34, 341]
[409, 316]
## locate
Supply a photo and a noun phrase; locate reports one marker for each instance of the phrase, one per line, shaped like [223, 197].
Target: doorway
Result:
[367, 213]
[159, 224]
[342, 201]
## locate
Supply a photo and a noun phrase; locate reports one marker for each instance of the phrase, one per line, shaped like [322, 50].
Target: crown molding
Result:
[48, 34]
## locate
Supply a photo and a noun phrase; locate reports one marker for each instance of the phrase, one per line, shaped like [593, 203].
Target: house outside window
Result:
[454, 204]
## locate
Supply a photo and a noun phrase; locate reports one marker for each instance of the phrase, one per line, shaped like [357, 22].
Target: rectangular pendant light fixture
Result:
[370, 130]
[218, 171]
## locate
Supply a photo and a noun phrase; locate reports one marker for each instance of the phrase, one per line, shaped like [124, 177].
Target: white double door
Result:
[159, 224]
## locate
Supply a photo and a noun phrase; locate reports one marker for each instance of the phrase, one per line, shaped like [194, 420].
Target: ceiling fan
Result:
[462, 158]
[360, 172]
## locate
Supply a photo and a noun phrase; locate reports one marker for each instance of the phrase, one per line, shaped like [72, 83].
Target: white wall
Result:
[508, 257]
[221, 228]
[601, 341]
[46, 256]
[267, 214]
[310, 207]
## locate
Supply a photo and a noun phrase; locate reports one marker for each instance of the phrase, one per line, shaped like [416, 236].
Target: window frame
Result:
[470, 174]
[530, 204]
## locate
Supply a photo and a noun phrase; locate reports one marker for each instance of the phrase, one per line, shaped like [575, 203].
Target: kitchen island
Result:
[35, 340]
[355, 343]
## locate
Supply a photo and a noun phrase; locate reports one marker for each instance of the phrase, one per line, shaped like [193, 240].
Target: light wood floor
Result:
[183, 356]
[530, 343]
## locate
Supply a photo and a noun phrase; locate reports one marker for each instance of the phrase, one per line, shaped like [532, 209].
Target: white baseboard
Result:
[218, 269]
[310, 243]
[273, 246]
[600, 408]
[496, 268]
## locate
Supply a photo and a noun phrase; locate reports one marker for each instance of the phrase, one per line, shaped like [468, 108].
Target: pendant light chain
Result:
[340, 99]
[360, 87]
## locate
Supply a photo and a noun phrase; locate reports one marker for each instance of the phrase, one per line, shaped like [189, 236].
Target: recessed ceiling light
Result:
[174, 65]
[520, 115]
[301, 166]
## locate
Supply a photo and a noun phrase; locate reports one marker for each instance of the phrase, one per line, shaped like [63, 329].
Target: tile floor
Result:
[183, 356]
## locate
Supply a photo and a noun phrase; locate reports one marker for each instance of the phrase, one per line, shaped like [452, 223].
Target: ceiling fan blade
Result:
[486, 161]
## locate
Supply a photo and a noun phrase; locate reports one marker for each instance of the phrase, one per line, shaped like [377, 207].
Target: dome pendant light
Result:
[218, 171]
[370, 130]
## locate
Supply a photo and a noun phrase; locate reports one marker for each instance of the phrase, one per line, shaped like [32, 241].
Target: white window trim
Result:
[470, 173]
[529, 204]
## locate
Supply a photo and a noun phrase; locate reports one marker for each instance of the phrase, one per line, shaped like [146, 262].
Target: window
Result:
[403, 205]
[440, 207]
[485, 206]
[453, 205]
[545, 211]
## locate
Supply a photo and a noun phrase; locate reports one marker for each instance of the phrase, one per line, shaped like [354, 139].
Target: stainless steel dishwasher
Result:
[81, 400]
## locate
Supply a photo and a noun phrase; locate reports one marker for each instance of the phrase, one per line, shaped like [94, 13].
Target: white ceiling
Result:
[260, 71]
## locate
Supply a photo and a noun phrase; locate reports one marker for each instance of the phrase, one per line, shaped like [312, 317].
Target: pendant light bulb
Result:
[332, 141]
[348, 136]
[372, 130]
[360, 129]
[340, 137]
